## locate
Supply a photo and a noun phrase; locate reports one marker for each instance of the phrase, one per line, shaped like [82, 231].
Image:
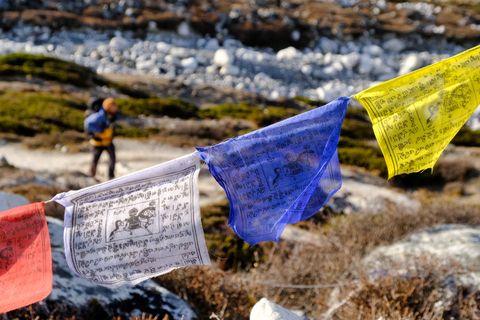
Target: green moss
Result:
[231, 252]
[170, 107]
[261, 116]
[48, 68]
[134, 132]
[361, 154]
[271, 115]
[28, 113]
[308, 102]
[357, 125]
[54, 69]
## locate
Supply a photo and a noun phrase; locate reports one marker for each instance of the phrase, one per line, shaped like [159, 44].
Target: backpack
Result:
[94, 105]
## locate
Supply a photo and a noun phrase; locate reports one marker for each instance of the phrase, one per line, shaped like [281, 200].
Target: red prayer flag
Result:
[25, 257]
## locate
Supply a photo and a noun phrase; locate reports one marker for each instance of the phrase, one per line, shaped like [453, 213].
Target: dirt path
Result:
[132, 155]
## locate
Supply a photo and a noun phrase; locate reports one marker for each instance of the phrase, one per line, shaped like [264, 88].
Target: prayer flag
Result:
[415, 116]
[136, 227]
[25, 257]
[280, 174]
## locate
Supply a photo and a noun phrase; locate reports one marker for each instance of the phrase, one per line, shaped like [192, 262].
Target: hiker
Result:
[100, 128]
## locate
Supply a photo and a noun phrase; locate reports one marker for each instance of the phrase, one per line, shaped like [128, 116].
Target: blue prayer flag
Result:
[280, 174]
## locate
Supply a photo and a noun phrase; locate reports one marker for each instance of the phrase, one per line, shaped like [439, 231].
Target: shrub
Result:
[49, 68]
[28, 113]
[230, 252]
[134, 132]
[65, 72]
[308, 102]
[406, 298]
[208, 289]
[261, 116]
[361, 154]
[170, 107]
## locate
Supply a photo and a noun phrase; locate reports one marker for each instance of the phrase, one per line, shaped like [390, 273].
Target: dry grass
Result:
[335, 261]
[73, 141]
[35, 192]
[409, 299]
[211, 290]
[336, 258]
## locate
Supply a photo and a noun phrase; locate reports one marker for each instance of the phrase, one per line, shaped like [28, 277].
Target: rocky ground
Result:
[346, 46]
[33, 174]
[400, 249]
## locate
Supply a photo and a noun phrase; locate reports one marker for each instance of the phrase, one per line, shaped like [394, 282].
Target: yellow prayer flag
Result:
[416, 115]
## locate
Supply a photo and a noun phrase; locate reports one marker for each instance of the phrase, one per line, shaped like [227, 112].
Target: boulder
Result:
[394, 45]
[362, 193]
[409, 63]
[441, 246]
[267, 310]
[119, 43]
[86, 300]
[328, 45]
[373, 50]
[230, 70]
[366, 65]
[288, 53]
[189, 63]
[211, 44]
[10, 200]
[184, 29]
[222, 58]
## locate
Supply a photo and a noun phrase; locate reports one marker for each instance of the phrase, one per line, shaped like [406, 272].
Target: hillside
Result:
[195, 73]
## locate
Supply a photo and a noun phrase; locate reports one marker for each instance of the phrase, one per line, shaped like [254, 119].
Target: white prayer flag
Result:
[136, 227]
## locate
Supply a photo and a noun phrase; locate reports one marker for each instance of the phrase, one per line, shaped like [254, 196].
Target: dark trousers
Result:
[97, 152]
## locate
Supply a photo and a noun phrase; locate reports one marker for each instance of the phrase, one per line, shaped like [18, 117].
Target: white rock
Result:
[439, 246]
[295, 35]
[394, 45]
[211, 69]
[222, 58]
[230, 70]
[119, 43]
[211, 44]
[357, 196]
[10, 200]
[328, 45]
[366, 64]
[321, 93]
[333, 70]
[145, 65]
[328, 58]
[180, 52]
[409, 63]
[306, 69]
[350, 61]
[267, 310]
[189, 63]
[152, 26]
[171, 59]
[130, 12]
[274, 95]
[379, 67]
[373, 50]
[184, 30]
[288, 53]
[163, 47]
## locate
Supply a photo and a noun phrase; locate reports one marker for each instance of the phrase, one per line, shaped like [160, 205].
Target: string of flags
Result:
[147, 223]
